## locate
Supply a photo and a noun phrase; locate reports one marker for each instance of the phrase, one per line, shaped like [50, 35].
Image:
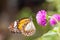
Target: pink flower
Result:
[54, 19]
[41, 17]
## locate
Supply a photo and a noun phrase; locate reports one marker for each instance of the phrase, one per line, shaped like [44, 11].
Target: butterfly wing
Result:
[27, 27]
[13, 27]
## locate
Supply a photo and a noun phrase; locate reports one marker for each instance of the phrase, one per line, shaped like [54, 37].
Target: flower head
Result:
[41, 17]
[54, 19]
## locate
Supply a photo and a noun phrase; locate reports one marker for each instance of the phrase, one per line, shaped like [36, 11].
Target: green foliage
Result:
[25, 12]
[53, 34]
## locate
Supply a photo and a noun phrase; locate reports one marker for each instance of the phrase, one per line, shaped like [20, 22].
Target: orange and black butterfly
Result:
[24, 25]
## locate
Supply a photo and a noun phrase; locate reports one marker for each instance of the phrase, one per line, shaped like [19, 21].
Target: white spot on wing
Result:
[15, 23]
[15, 26]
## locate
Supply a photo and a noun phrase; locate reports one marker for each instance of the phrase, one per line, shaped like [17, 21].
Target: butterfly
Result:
[24, 26]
